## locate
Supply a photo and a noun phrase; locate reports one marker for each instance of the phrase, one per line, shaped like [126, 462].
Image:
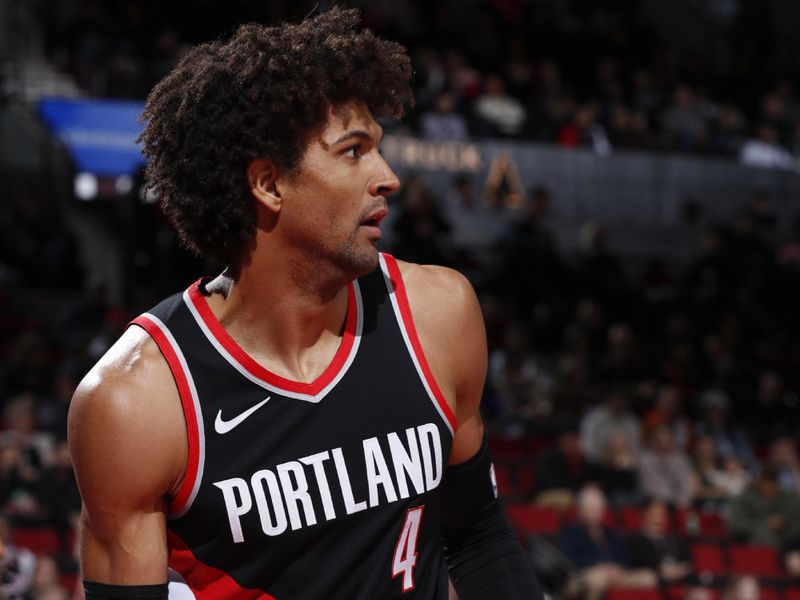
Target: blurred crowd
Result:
[669, 386]
[599, 75]
[657, 384]
[629, 382]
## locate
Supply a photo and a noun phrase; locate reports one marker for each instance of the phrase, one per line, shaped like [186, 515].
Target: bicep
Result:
[471, 365]
[124, 457]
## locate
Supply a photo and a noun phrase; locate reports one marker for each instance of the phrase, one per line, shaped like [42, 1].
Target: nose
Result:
[385, 182]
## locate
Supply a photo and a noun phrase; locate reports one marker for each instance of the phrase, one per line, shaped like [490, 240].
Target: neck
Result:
[286, 311]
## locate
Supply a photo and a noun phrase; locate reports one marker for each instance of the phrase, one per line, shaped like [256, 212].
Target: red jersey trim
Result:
[206, 582]
[342, 358]
[398, 291]
[191, 410]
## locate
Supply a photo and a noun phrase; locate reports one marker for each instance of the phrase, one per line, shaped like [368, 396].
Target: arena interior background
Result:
[618, 179]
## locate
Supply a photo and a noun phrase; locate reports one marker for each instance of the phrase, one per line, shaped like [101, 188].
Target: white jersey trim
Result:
[404, 331]
[314, 398]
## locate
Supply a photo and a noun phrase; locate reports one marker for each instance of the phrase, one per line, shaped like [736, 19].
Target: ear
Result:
[261, 177]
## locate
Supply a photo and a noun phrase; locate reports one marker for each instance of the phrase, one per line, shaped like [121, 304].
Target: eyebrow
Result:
[357, 133]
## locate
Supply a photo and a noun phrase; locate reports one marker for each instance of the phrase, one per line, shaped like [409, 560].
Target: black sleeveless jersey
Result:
[328, 489]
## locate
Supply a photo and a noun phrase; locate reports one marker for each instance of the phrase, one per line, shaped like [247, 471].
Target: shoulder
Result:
[448, 321]
[122, 382]
[441, 296]
[126, 414]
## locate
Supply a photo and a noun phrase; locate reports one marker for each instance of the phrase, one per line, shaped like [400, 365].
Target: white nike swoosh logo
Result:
[221, 426]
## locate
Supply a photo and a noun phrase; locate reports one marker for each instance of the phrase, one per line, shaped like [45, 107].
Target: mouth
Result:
[374, 218]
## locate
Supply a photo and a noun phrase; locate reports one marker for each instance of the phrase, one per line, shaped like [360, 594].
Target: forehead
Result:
[345, 117]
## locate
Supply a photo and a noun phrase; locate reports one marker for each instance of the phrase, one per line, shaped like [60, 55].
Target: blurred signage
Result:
[455, 157]
[100, 135]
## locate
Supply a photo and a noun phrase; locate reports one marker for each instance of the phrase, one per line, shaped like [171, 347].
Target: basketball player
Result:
[283, 430]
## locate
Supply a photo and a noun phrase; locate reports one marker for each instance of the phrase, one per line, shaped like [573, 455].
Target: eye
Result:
[353, 151]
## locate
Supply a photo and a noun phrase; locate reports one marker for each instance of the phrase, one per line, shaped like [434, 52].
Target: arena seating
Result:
[758, 560]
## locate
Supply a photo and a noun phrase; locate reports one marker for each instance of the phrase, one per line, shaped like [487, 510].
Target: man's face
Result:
[333, 204]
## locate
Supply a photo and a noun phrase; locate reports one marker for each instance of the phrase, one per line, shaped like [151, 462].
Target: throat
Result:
[284, 334]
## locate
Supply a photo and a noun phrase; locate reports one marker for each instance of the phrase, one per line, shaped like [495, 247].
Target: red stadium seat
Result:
[712, 525]
[769, 593]
[69, 581]
[630, 518]
[39, 540]
[707, 524]
[504, 448]
[708, 560]
[678, 592]
[792, 593]
[529, 518]
[633, 594]
[753, 559]
[525, 479]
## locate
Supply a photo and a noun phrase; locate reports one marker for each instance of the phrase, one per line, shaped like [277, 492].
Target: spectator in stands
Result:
[518, 379]
[461, 196]
[598, 551]
[628, 130]
[764, 513]
[734, 477]
[743, 587]
[603, 421]
[765, 151]
[430, 78]
[727, 133]
[443, 123]
[784, 459]
[560, 471]
[54, 592]
[47, 579]
[713, 486]
[585, 131]
[17, 566]
[600, 275]
[60, 491]
[623, 359]
[528, 256]
[774, 411]
[19, 484]
[664, 470]
[421, 230]
[655, 548]
[668, 410]
[570, 387]
[19, 417]
[790, 555]
[499, 113]
[684, 122]
[729, 438]
[617, 473]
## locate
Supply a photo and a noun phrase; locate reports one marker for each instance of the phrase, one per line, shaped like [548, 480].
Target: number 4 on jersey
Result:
[405, 551]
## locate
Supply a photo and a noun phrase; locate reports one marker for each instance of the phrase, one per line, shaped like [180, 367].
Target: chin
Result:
[357, 262]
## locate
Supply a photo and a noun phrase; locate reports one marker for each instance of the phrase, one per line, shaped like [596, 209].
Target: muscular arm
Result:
[127, 438]
[450, 327]
[483, 554]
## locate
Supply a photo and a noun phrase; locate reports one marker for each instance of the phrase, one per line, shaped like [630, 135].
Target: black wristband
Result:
[484, 557]
[105, 591]
[468, 488]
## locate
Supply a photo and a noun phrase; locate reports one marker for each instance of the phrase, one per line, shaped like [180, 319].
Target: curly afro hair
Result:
[258, 94]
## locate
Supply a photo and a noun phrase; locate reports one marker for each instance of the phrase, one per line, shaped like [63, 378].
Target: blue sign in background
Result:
[100, 135]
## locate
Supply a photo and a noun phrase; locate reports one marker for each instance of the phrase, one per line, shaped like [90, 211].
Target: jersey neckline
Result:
[312, 391]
